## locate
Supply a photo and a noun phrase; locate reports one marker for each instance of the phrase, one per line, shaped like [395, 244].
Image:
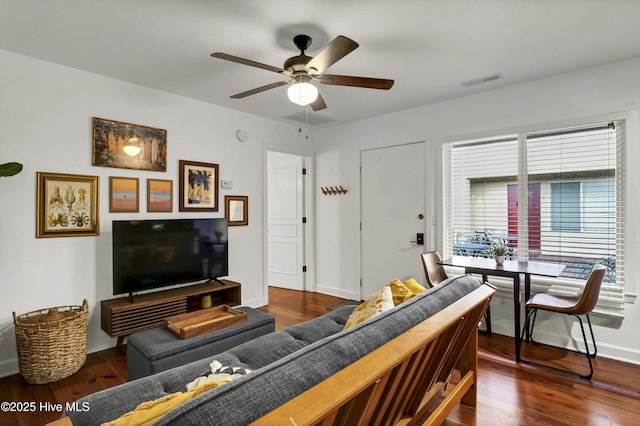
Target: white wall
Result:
[604, 92]
[45, 123]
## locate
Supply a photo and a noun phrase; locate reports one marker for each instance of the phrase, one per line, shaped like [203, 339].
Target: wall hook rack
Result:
[330, 190]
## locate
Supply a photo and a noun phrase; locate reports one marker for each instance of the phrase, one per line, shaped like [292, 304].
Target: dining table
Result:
[513, 269]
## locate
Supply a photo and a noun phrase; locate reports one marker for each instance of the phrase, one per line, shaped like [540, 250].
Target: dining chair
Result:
[435, 274]
[580, 304]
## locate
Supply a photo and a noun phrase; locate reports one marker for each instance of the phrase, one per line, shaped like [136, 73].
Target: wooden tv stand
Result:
[121, 317]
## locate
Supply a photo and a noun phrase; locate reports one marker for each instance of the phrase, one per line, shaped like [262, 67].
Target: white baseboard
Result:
[337, 292]
[604, 350]
[253, 303]
[9, 367]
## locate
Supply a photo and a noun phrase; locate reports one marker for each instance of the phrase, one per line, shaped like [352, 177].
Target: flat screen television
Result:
[149, 254]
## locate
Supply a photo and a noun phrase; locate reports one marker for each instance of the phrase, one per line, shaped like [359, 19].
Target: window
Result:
[565, 206]
[599, 206]
[587, 206]
[554, 196]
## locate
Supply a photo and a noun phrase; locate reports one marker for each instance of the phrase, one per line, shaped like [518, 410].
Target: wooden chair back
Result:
[434, 272]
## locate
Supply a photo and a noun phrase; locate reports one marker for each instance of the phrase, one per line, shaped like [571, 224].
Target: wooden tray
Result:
[204, 321]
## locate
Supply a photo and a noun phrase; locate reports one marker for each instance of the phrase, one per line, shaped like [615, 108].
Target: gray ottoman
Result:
[156, 349]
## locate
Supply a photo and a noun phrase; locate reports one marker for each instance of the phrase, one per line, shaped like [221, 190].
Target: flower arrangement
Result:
[498, 249]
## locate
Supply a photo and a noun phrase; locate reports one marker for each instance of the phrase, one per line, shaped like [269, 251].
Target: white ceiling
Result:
[429, 47]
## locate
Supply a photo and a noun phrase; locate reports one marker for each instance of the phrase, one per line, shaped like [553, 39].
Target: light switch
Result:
[226, 184]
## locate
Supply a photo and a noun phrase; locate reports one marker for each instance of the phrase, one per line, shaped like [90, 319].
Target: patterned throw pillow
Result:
[379, 302]
[400, 292]
[218, 373]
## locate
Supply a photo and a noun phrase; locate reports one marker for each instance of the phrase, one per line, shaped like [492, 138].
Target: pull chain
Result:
[306, 113]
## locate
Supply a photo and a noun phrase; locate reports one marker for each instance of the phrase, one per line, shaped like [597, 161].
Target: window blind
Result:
[555, 196]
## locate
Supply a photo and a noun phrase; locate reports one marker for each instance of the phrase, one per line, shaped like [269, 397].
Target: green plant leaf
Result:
[10, 169]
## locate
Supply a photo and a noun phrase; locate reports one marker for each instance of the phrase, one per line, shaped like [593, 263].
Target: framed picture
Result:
[124, 195]
[236, 209]
[159, 195]
[198, 187]
[67, 205]
[129, 146]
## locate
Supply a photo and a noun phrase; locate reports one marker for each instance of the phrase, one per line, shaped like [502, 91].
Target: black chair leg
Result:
[487, 319]
[593, 339]
[487, 313]
[529, 332]
[529, 329]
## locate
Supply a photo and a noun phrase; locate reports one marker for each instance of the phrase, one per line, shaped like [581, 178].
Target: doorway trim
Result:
[308, 208]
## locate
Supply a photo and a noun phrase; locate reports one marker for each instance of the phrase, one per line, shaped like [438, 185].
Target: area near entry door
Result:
[393, 182]
[285, 233]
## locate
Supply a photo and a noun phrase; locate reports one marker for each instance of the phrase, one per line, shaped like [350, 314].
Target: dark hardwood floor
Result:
[508, 393]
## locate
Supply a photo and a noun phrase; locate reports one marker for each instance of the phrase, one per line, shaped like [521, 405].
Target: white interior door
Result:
[285, 233]
[393, 206]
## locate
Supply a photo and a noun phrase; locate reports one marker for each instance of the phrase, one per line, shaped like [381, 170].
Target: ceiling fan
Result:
[303, 69]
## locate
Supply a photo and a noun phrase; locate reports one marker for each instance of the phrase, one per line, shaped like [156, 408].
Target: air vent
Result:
[482, 80]
[310, 118]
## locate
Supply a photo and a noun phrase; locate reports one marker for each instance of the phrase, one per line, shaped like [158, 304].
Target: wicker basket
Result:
[52, 343]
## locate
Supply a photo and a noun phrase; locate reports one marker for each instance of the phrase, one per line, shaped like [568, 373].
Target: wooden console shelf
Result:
[120, 317]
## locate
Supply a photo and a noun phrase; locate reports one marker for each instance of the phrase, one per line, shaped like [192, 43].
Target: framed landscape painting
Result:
[198, 186]
[159, 195]
[129, 146]
[67, 205]
[123, 195]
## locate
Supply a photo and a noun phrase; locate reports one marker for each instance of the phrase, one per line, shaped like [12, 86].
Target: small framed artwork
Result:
[236, 209]
[159, 195]
[67, 205]
[129, 146]
[124, 195]
[198, 186]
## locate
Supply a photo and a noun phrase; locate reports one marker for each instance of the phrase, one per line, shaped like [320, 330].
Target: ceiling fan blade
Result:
[318, 104]
[346, 80]
[259, 89]
[337, 49]
[249, 62]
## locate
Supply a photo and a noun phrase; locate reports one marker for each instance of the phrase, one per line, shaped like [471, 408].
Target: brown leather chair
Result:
[435, 274]
[580, 304]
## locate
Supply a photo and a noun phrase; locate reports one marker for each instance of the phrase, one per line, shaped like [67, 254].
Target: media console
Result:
[121, 317]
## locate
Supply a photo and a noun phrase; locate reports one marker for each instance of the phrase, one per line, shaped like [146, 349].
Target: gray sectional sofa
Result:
[284, 364]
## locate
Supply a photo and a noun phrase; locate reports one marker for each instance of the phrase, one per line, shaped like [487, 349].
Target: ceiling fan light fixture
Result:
[303, 69]
[302, 93]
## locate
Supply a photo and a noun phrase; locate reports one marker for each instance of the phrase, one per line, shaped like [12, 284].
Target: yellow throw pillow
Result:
[413, 285]
[379, 302]
[400, 292]
[149, 412]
